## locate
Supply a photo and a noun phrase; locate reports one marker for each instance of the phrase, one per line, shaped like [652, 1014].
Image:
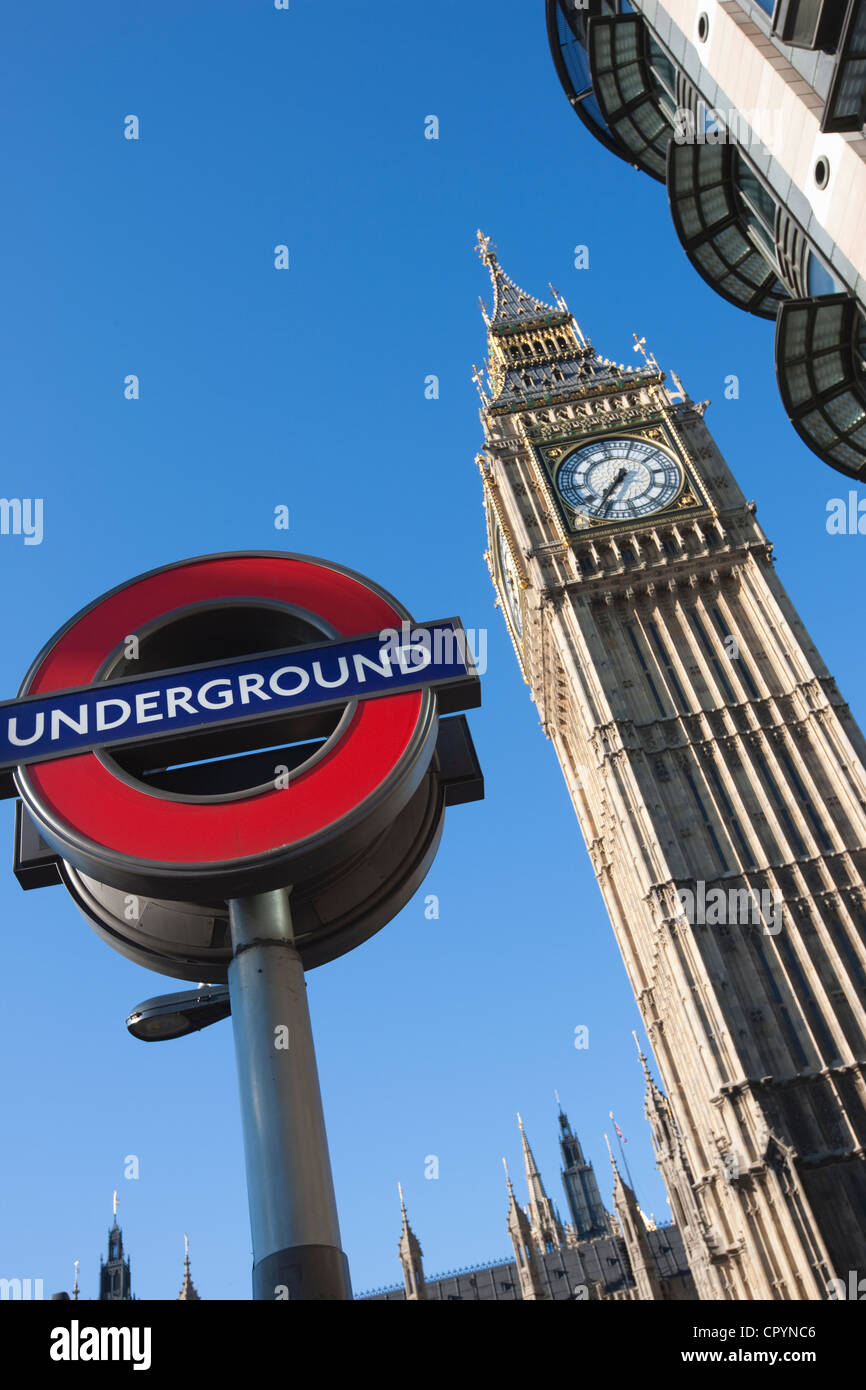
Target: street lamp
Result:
[175, 1015]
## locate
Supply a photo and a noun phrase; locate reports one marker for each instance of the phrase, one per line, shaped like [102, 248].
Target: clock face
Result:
[618, 479]
[508, 582]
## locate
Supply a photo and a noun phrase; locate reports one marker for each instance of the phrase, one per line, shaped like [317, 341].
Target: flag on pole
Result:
[619, 1133]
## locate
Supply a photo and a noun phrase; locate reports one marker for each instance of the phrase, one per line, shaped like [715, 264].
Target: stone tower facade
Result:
[115, 1279]
[718, 778]
[588, 1216]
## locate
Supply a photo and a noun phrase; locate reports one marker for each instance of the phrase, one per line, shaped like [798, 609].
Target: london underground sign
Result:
[87, 738]
[133, 709]
[238, 766]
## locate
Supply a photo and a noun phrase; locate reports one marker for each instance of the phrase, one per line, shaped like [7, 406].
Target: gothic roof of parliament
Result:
[599, 1262]
[599, 1265]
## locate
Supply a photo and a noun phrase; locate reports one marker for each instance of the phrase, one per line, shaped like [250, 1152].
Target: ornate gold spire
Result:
[512, 306]
[535, 349]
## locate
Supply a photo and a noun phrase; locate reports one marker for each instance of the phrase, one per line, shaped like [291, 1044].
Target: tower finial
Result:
[512, 306]
[519, 1121]
[508, 1178]
[485, 248]
[115, 1204]
[75, 1282]
[641, 1055]
[610, 1154]
[558, 1101]
[478, 378]
[188, 1292]
[649, 358]
[680, 393]
[557, 297]
[402, 1203]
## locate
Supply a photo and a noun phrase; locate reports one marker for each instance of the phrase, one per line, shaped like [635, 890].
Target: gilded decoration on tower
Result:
[604, 435]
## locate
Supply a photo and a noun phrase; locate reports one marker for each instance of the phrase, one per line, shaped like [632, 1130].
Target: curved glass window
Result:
[846, 103]
[634, 82]
[821, 370]
[573, 54]
[566, 32]
[724, 218]
[653, 76]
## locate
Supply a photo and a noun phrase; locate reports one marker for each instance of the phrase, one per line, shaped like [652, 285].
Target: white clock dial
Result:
[618, 479]
[508, 582]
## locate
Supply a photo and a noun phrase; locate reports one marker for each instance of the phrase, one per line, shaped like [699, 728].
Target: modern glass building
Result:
[752, 113]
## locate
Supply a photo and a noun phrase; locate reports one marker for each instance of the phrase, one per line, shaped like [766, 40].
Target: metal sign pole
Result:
[293, 1210]
[186, 817]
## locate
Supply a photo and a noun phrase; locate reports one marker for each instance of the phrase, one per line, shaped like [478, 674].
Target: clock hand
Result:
[616, 482]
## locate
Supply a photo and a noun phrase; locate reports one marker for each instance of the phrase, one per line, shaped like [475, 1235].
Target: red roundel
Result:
[127, 834]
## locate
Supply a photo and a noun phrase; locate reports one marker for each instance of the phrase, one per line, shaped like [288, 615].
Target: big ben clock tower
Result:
[718, 778]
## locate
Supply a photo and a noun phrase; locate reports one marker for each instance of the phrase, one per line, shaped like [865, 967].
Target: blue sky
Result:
[305, 387]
